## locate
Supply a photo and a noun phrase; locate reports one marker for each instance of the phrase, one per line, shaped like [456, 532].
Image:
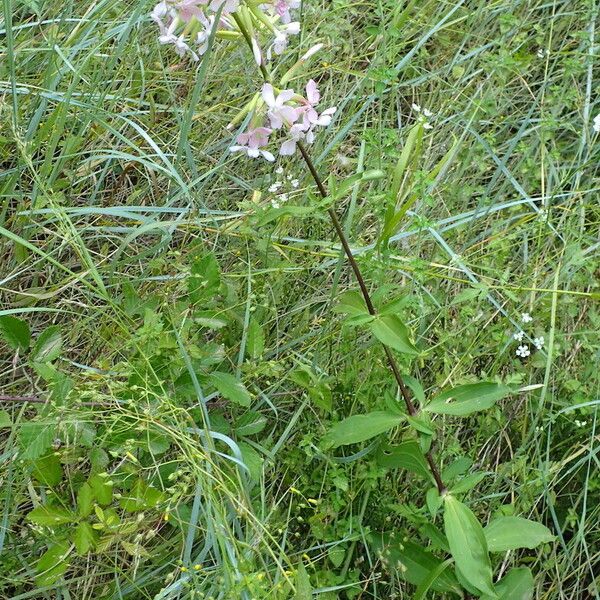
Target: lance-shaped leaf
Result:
[392, 332]
[359, 428]
[510, 533]
[466, 399]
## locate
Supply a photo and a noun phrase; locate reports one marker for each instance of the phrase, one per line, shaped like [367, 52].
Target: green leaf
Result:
[406, 455]
[35, 438]
[253, 461]
[102, 488]
[15, 332]
[351, 303]
[141, 496]
[303, 587]
[52, 564]
[250, 423]
[5, 420]
[433, 500]
[47, 470]
[510, 533]
[413, 563]
[467, 544]
[204, 280]
[467, 483]
[48, 346]
[85, 500]
[50, 516]
[392, 332]
[517, 584]
[255, 340]
[230, 388]
[336, 555]
[466, 399]
[359, 428]
[84, 538]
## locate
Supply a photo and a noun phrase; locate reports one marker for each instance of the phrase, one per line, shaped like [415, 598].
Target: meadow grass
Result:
[116, 175]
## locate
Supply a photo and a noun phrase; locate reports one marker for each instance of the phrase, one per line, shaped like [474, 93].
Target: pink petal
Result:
[312, 92]
[288, 148]
[268, 95]
[285, 96]
[268, 155]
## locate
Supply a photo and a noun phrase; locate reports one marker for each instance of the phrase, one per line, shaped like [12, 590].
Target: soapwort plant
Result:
[282, 121]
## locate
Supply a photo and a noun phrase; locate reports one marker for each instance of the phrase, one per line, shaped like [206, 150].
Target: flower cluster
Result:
[597, 123]
[289, 112]
[281, 188]
[186, 24]
[523, 350]
[423, 115]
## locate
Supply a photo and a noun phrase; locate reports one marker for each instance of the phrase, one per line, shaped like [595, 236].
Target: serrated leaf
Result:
[255, 340]
[231, 388]
[359, 428]
[303, 587]
[406, 455]
[102, 488]
[35, 438]
[510, 533]
[52, 564]
[47, 469]
[467, 544]
[48, 345]
[392, 332]
[84, 538]
[15, 332]
[50, 516]
[85, 500]
[205, 279]
[250, 423]
[466, 399]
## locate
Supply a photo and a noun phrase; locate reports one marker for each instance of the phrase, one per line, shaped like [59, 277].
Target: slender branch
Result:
[410, 407]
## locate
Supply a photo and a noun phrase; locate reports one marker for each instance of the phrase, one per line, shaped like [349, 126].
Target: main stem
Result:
[410, 407]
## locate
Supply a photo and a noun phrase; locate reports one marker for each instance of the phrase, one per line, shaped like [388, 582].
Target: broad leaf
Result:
[47, 470]
[250, 423]
[303, 587]
[255, 340]
[466, 399]
[253, 461]
[141, 496]
[467, 483]
[413, 563]
[230, 388]
[467, 544]
[15, 332]
[510, 533]
[85, 500]
[351, 303]
[35, 438]
[102, 488]
[52, 564]
[48, 346]
[84, 538]
[517, 584]
[406, 455]
[50, 516]
[359, 428]
[204, 280]
[392, 332]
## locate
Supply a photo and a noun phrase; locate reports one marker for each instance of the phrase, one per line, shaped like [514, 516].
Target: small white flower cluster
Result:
[597, 123]
[187, 24]
[286, 111]
[580, 423]
[282, 188]
[423, 115]
[523, 350]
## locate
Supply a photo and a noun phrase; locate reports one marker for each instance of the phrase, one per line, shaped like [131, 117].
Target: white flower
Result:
[283, 197]
[526, 318]
[427, 112]
[427, 126]
[597, 123]
[279, 170]
[310, 52]
[273, 188]
[280, 42]
[295, 183]
[538, 342]
[415, 107]
[297, 133]
[518, 335]
[523, 351]
[275, 204]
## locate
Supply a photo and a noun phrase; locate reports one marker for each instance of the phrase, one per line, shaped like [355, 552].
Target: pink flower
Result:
[310, 116]
[251, 141]
[279, 112]
[188, 9]
[280, 42]
[283, 7]
[229, 6]
[297, 133]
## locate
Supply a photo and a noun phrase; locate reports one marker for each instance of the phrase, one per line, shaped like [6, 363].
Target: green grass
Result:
[115, 176]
